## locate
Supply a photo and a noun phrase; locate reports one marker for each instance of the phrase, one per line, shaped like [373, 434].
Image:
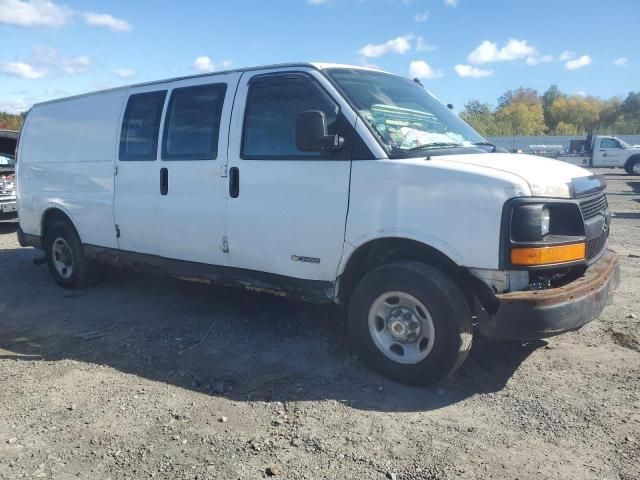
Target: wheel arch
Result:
[379, 251]
[52, 214]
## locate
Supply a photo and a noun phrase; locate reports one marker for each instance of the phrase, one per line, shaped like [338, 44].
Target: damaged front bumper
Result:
[535, 314]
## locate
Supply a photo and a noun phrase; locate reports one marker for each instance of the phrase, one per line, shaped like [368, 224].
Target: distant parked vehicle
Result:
[8, 139]
[603, 151]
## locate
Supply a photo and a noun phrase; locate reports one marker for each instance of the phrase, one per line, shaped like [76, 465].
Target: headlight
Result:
[530, 222]
[545, 221]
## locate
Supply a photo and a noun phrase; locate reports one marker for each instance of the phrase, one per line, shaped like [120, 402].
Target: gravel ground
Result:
[142, 377]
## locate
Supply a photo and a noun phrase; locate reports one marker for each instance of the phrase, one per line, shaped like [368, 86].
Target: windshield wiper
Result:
[486, 144]
[426, 146]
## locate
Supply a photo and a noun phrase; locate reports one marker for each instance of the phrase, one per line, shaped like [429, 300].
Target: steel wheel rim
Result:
[392, 325]
[636, 168]
[62, 256]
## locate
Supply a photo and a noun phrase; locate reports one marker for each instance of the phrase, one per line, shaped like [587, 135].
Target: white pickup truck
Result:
[329, 183]
[603, 151]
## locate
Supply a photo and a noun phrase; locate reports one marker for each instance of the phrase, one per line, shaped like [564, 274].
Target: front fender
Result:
[424, 238]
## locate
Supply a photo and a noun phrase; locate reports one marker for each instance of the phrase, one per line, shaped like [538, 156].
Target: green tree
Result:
[563, 128]
[584, 113]
[9, 121]
[520, 112]
[522, 118]
[548, 97]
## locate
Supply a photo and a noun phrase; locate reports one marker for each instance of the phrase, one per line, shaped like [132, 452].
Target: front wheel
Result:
[410, 322]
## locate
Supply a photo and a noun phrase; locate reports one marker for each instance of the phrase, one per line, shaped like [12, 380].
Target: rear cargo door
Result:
[137, 171]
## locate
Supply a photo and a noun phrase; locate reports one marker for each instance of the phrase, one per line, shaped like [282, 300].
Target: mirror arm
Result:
[332, 143]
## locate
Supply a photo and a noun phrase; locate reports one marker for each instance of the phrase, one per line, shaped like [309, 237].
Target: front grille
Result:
[592, 207]
[595, 245]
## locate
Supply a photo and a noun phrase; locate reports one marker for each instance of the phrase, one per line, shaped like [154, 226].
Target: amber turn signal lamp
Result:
[548, 255]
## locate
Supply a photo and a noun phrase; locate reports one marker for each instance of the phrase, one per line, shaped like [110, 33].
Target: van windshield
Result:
[402, 113]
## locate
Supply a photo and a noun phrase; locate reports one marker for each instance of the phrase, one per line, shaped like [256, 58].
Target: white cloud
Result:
[424, 46]
[579, 62]
[621, 62]
[399, 45]
[39, 13]
[581, 93]
[421, 17]
[203, 65]
[33, 13]
[16, 106]
[21, 70]
[468, 71]
[422, 70]
[536, 59]
[566, 55]
[451, 3]
[46, 62]
[105, 20]
[124, 72]
[488, 52]
[50, 60]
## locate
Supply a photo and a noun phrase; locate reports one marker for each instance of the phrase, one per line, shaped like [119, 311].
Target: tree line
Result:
[524, 112]
[9, 121]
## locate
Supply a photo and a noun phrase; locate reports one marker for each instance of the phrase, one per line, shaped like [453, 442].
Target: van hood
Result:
[546, 177]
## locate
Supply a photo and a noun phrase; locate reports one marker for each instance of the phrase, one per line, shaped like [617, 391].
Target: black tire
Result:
[631, 164]
[446, 305]
[81, 271]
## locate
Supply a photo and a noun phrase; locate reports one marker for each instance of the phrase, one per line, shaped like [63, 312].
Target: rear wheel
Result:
[633, 168]
[410, 322]
[65, 256]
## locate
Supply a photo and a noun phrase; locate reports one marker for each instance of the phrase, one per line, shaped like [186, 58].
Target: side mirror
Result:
[450, 106]
[311, 133]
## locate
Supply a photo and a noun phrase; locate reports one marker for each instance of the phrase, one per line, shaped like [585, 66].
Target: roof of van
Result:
[316, 65]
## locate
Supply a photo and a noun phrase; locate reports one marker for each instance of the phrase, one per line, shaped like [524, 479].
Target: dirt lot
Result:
[143, 377]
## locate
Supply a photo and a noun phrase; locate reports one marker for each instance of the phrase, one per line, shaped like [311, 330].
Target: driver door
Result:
[609, 152]
[286, 209]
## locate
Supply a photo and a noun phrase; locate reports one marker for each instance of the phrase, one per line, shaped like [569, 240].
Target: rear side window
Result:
[141, 125]
[270, 117]
[192, 123]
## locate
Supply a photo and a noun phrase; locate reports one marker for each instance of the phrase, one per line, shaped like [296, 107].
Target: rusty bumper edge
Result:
[531, 315]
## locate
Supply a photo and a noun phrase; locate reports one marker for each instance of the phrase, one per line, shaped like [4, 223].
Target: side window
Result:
[192, 123]
[609, 143]
[273, 102]
[140, 127]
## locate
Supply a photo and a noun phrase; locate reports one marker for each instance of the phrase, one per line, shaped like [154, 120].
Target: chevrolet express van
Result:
[327, 183]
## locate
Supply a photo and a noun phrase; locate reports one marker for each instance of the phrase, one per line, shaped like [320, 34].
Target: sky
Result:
[460, 49]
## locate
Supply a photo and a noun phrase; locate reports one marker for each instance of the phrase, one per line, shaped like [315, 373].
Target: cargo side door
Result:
[190, 215]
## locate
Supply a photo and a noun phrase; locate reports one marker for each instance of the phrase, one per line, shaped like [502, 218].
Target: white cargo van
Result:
[328, 183]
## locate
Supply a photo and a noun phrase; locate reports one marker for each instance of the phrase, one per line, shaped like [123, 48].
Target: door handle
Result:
[234, 182]
[164, 181]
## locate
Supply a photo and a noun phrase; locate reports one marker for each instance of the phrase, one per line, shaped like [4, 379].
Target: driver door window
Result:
[273, 102]
[609, 143]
